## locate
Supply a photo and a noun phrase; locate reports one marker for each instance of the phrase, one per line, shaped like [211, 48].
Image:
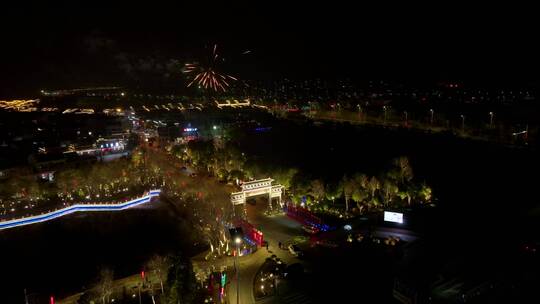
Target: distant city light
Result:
[190, 129]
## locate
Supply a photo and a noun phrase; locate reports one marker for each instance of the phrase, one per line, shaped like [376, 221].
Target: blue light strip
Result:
[78, 208]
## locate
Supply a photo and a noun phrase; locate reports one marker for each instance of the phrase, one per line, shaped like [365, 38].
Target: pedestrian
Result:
[279, 245]
[266, 245]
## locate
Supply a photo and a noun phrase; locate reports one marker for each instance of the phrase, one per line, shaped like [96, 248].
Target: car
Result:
[326, 243]
[310, 229]
[295, 250]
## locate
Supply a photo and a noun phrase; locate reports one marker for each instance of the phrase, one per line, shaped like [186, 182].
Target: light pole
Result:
[406, 118]
[237, 241]
[431, 117]
[462, 123]
[384, 109]
[491, 119]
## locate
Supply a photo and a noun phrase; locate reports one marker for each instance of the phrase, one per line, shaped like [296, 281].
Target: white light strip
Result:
[79, 208]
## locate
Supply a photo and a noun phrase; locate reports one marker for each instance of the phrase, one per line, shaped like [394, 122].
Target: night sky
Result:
[75, 45]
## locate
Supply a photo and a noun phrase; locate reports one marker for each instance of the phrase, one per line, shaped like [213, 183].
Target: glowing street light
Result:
[431, 118]
[236, 235]
[491, 119]
[462, 123]
[360, 111]
[406, 118]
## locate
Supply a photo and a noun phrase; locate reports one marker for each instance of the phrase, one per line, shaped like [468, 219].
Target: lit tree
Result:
[361, 180]
[181, 281]
[137, 158]
[349, 185]
[284, 177]
[236, 174]
[177, 150]
[160, 266]
[359, 195]
[69, 180]
[105, 284]
[425, 193]
[389, 190]
[403, 166]
[373, 185]
[222, 174]
[334, 191]
[317, 190]
[405, 194]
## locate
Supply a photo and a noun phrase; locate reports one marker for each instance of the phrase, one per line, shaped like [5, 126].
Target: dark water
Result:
[476, 183]
[61, 256]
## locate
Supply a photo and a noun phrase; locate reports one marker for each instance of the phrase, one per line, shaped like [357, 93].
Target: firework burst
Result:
[207, 75]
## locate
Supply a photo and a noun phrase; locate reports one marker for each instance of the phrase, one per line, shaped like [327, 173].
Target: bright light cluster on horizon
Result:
[19, 105]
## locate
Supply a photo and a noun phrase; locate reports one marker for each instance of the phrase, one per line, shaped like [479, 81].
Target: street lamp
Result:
[236, 235]
[384, 109]
[491, 119]
[237, 241]
[431, 118]
[406, 117]
[462, 123]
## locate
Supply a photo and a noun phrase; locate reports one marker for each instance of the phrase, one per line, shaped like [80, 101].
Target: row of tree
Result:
[87, 182]
[394, 187]
[168, 279]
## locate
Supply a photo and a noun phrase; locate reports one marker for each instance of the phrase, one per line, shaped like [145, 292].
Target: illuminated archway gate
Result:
[257, 187]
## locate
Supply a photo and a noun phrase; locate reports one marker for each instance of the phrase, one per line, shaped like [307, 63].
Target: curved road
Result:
[275, 229]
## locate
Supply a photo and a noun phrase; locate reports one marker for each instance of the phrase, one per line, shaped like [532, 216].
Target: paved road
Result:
[275, 229]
